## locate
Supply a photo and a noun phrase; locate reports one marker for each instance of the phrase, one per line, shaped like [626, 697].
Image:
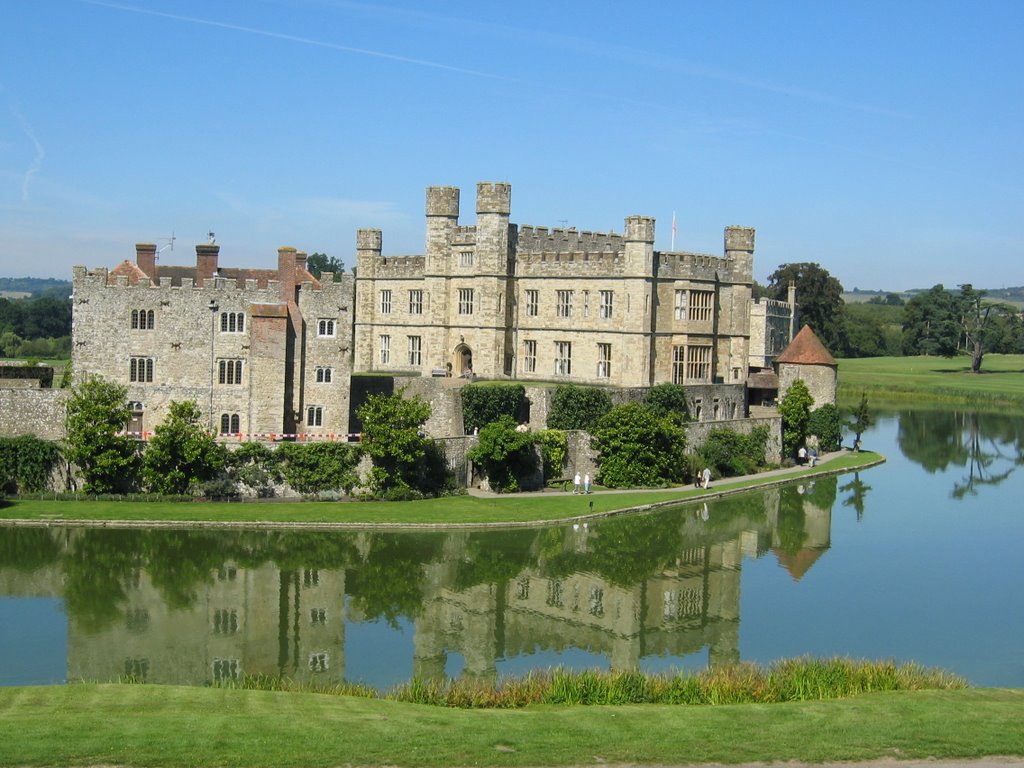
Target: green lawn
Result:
[150, 725]
[455, 510]
[937, 378]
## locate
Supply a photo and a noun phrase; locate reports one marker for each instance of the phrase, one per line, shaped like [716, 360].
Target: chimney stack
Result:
[145, 258]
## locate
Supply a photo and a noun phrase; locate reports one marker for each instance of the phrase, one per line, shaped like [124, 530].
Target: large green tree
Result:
[795, 409]
[181, 454]
[393, 437]
[637, 447]
[819, 298]
[95, 418]
[931, 323]
[318, 263]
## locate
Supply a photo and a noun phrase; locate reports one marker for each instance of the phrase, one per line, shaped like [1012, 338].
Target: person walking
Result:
[705, 477]
[586, 483]
[576, 483]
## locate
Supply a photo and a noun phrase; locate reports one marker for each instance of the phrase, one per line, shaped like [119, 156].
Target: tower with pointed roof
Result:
[807, 359]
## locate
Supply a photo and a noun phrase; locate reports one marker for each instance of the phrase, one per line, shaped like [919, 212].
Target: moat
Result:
[917, 559]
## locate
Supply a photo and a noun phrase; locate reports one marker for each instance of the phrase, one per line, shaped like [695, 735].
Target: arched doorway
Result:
[463, 361]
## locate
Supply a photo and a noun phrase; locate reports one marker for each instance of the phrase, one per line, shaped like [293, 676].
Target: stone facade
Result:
[262, 352]
[538, 304]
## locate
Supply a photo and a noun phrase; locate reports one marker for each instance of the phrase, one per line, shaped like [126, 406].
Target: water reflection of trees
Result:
[989, 447]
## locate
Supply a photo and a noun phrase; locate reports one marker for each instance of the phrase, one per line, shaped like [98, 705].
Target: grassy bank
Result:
[146, 725]
[935, 378]
[449, 511]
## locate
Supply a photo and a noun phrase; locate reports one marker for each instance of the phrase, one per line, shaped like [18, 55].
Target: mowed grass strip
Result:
[451, 510]
[936, 378]
[149, 725]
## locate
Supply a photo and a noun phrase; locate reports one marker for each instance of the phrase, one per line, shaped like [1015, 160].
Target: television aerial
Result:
[170, 244]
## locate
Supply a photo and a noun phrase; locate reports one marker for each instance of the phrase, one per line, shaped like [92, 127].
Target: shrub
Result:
[575, 407]
[795, 408]
[96, 415]
[668, 401]
[312, 468]
[729, 453]
[826, 425]
[554, 447]
[26, 463]
[256, 467]
[486, 403]
[181, 454]
[506, 454]
[637, 448]
[393, 437]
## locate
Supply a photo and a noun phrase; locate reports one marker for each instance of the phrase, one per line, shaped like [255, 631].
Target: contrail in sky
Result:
[302, 40]
[37, 161]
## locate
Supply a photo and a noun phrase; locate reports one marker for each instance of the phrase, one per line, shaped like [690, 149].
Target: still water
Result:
[918, 559]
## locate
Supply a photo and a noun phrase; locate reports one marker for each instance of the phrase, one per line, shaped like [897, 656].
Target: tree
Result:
[668, 400]
[318, 263]
[95, 418]
[506, 454]
[931, 323]
[574, 407]
[825, 424]
[860, 420]
[977, 317]
[392, 436]
[181, 453]
[636, 447]
[819, 297]
[795, 408]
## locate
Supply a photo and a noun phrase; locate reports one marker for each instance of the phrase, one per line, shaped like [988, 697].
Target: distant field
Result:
[936, 378]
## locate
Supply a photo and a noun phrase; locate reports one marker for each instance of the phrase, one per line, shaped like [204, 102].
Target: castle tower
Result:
[739, 248]
[493, 206]
[368, 247]
[639, 245]
[442, 219]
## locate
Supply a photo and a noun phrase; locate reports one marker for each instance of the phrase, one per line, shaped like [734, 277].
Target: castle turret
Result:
[368, 247]
[206, 261]
[442, 219]
[639, 244]
[493, 206]
[739, 248]
[145, 258]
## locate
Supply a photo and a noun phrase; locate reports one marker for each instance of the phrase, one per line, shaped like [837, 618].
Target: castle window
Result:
[385, 302]
[232, 322]
[325, 327]
[226, 669]
[416, 302]
[315, 416]
[465, 301]
[530, 356]
[586, 303]
[229, 371]
[225, 621]
[230, 424]
[466, 259]
[311, 577]
[385, 349]
[563, 358]
[698, 363]
[607, 297]
[143, 320]
[324, 374]
[532, 303]
[701, 304]
[678, 363]
[317, 616]
[680, 306]
[564, 306]
[415, 350]
[604, 361]
[319, 662]
[140, 370]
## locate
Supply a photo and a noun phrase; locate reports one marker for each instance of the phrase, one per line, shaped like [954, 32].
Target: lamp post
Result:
[213, 334]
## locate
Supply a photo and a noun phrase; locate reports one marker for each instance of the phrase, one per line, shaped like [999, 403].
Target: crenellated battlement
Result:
[570, 264]
[533, 239]
[682, 265]
[399, 266]
[443, 201]
[494, 197]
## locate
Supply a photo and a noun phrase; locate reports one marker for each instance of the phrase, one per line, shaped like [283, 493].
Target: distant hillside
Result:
[1009, 295]
[33, 287]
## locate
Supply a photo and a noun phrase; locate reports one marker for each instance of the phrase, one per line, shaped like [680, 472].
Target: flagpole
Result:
[673, 248]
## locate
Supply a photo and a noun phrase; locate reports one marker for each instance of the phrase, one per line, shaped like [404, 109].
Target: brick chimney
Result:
[145, 258]
[300, 261]
[286, 261]
[206, 261]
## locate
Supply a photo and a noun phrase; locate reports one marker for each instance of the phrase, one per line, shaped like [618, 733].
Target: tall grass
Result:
[803, 679]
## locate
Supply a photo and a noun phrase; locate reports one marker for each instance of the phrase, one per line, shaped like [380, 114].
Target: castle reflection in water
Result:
[188, 607]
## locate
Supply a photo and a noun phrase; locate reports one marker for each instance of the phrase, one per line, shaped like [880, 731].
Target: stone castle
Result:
[271, 352]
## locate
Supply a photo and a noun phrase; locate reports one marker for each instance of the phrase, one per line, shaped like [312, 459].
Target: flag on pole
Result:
[673, 231]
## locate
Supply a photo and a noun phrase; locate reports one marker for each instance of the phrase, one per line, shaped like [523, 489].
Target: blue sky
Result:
[883, 140]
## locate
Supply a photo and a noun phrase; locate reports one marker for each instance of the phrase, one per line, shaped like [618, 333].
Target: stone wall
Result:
[27, 411]
[697, 433]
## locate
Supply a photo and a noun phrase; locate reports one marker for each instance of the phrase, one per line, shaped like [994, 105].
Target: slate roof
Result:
[806, 349]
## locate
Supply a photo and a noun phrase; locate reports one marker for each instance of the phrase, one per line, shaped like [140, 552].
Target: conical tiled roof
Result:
[806, 349]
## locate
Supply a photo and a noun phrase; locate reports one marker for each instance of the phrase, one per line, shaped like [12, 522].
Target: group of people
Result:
[807, 456]
[577, 487]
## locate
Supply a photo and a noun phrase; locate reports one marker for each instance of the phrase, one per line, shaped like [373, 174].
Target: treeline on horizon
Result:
[38, 326]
